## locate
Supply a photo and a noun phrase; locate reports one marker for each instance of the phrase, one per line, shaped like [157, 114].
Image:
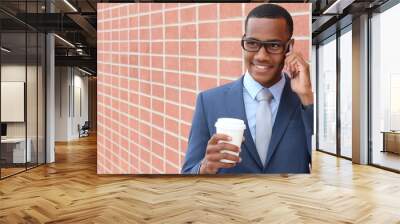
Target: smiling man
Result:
[274, 98]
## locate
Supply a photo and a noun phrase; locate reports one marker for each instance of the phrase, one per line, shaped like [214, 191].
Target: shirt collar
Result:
[253, 87]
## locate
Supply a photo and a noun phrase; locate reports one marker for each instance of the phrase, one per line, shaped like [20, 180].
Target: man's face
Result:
[265, 67]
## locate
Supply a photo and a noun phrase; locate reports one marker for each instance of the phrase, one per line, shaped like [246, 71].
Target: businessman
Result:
[274, 98]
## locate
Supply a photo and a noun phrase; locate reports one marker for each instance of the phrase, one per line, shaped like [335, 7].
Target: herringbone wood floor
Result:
[69, 191]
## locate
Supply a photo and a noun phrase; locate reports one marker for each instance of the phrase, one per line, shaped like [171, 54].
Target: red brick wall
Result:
[152, 61]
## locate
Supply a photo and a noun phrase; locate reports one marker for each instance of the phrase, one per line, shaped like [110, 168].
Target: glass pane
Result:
[385, 89]
[31, 100]
[41, 98]
[346, 94]
[13, 87]
[23, 82]
[327, 97]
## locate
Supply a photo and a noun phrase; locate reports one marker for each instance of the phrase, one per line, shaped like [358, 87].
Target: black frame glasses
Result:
[272, 47]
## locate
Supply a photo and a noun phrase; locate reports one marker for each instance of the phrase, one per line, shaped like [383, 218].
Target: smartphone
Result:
[289, 49]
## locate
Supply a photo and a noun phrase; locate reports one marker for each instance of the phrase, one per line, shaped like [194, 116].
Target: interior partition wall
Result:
[22, 77]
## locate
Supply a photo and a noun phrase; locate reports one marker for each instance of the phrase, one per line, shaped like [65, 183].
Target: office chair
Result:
[84, 130]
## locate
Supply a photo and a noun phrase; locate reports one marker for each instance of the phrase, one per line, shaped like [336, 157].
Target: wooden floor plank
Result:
[70, 191]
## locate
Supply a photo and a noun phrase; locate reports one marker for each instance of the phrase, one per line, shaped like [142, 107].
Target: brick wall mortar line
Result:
[166, 85]
[149, 110]
[231, 19]
[165, 91]
[243, 23]
[169, 86]
[119, 71]
[180, 80]
[218, 46]
[293, 14]
[129, 129]
[189, 40]
[197, 50]
[184, 57]
[140, 101]
[151, 91]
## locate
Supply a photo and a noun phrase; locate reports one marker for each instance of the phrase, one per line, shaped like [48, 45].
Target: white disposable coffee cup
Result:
[234, 128]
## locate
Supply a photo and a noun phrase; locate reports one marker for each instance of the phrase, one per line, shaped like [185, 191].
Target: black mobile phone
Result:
[289, 49]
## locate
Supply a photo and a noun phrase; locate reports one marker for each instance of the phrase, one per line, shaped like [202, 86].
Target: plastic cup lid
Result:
[230, 123]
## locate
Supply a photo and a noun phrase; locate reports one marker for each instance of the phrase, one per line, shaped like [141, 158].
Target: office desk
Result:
[15, 148]
[391, 141]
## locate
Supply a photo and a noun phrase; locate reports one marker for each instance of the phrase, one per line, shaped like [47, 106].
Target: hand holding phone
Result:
[299, 73]
[289, 68]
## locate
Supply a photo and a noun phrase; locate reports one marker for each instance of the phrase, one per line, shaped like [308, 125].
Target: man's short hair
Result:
[271, 11]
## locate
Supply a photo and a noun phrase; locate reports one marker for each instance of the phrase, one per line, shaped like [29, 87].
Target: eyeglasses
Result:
[272, 47]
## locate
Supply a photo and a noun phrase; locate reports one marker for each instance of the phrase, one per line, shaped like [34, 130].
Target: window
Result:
[346, 93]
[385, 89]
[327, 96]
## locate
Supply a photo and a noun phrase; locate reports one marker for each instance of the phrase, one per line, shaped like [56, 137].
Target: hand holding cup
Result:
[224, 147]
[217, 150]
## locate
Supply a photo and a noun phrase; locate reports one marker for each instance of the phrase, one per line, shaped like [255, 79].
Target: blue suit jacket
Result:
[290, 145]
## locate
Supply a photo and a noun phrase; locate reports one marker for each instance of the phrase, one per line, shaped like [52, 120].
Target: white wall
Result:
[70, 83]
[61, 103]
[80, 83]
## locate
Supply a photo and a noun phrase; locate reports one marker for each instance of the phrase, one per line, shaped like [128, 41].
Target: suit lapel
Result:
[235, 105]
[287, 106]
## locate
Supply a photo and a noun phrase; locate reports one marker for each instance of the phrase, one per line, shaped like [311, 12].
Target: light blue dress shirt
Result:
[250, 90]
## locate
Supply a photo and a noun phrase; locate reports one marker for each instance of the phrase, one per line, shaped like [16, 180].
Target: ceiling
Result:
[72, 20]
[332, 15]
